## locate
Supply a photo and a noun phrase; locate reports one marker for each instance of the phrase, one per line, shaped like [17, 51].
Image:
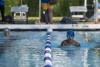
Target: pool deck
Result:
[52, 26]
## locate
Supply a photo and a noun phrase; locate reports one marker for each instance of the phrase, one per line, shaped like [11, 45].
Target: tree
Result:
[62, 7]
[9, 4]
[90, 8]
[33, 7]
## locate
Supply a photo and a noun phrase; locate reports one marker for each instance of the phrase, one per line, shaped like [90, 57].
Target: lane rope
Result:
[47, 51]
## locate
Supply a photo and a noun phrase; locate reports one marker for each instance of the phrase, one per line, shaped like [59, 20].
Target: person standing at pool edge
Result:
[47, 6]
[2, 8]
[70, 39]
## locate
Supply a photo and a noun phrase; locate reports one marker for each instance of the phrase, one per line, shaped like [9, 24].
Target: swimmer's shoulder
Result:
[76, 43]
[64, 43]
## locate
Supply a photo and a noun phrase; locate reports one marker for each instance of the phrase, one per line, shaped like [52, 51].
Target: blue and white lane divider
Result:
[47, 52]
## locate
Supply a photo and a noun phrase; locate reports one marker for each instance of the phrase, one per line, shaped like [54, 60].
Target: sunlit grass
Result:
[37, 18]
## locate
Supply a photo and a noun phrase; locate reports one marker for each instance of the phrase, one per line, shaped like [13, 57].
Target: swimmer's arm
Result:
[77, 44]
[62, 44]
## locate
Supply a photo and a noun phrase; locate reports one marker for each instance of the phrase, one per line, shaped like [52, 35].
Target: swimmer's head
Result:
[6, 32]
[70, 33]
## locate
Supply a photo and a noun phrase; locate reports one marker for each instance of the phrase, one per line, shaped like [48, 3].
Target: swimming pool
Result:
[26, 49]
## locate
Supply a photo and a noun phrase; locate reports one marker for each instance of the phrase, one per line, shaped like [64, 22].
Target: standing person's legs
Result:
[50, 15]
[45, 12]
[46, 16]
[2, 12]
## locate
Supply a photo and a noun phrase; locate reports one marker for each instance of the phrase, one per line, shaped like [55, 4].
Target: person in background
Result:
[2, 8]
[70, 39]
[47, 8]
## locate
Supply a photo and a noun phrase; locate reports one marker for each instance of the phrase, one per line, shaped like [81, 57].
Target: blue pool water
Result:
[26, 49]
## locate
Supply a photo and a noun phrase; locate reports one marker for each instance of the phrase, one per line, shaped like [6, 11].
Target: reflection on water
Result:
[75, 58]
[85, 56]
[26, 49]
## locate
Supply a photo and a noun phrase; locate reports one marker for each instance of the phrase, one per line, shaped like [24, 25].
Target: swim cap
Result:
[6, 30]
[70, 33]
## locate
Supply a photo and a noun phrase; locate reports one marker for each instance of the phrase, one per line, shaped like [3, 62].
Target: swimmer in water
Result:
[6, 33]
[70, 39]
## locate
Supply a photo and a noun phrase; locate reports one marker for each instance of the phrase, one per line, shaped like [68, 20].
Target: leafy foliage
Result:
[9, 4]
[60, 9]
